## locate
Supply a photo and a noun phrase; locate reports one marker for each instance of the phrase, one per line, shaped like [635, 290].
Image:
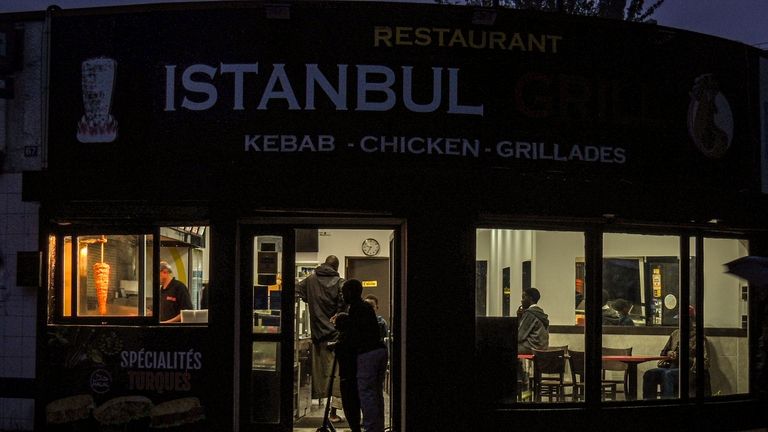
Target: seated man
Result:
[667, 373]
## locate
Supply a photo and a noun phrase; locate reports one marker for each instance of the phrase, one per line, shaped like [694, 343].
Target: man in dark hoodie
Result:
[533, 323]
[322, 292]
[363, 337]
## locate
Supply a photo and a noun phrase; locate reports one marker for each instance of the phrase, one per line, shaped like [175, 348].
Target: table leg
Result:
[631, 392]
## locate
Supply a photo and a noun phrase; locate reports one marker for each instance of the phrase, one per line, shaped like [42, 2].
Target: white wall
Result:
[505, 248]
[554, 273]
[348, 243]
[722, 297]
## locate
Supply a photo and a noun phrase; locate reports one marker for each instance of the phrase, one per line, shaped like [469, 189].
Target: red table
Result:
[630, 360]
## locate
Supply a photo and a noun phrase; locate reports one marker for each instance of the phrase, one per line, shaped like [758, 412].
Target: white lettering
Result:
[337, 95]
[278, 75]
[199, 87]
[377, 88]
[239, 70]
[364, 86]
[289, 143]
[453, 97]
[437, 84]
[170, 87]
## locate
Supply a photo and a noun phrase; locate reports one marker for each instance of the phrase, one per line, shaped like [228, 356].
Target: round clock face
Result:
[371, 247]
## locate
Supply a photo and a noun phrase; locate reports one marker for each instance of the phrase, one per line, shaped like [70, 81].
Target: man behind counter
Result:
[174, 295]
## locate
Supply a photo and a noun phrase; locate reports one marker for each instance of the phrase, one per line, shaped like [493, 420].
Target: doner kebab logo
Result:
[98, 78]
[710, 120]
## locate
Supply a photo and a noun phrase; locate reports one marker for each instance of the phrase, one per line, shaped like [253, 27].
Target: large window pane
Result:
[509, 263]
[641, 287]
[725, 319]
[185, 250]
[108, 276]
[111, 275]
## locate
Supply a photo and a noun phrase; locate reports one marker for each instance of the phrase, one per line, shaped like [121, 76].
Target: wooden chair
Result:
[610, 386]
[548, 373]
[576, 363]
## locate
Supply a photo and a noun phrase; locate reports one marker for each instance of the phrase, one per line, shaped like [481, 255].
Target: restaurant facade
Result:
[467, 153]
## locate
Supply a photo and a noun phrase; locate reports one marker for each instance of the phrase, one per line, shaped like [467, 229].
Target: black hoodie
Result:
[322, 292]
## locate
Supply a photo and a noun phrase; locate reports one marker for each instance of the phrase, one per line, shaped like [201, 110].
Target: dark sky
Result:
[742, 20]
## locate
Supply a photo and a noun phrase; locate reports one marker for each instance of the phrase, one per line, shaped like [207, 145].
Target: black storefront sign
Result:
[118, 377]
[386, 86]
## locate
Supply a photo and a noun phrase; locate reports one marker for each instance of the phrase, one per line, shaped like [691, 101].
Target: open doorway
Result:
[363, 254]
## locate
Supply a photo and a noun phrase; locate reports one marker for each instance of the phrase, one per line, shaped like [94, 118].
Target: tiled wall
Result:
[16, 414]
[18, 232]
[21, 140]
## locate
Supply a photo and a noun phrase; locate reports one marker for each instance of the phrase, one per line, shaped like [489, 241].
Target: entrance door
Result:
[275, 349]
[267, 328]
[374, 274]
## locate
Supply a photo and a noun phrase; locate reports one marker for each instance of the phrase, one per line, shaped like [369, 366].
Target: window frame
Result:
[56, 313]
[594, 230]
[54, 310]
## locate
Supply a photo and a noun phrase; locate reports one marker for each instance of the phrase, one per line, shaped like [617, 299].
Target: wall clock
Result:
[371, 247]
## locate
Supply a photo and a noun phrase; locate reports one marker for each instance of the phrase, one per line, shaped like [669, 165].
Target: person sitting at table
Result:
[533, 323]
[610, 315]
[668, 371]
[623, 307]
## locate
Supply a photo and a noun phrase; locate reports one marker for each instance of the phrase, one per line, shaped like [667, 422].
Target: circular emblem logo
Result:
[101, 381]
[710, 120]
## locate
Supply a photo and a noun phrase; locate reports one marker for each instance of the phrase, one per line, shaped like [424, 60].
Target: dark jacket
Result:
[363, 334]
[673, 344]
[611, 316]
[322, 292]
[533, 330]
[626, 321]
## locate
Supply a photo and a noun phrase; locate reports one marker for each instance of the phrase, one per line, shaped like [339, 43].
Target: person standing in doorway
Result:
[321, 290]
[383, 327]
[346, 357]
[174, 295]
[363, 336]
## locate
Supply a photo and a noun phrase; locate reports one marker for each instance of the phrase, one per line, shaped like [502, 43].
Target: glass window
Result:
[267, 283]
[111, 275]
[183, 250]
[524, 285]
[641, 287]
[107, 276]
[726, 319]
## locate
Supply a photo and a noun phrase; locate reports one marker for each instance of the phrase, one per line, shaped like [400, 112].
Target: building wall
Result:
[21, 141]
